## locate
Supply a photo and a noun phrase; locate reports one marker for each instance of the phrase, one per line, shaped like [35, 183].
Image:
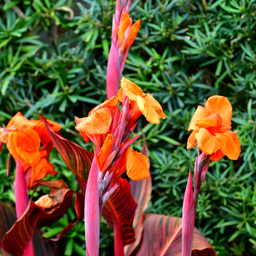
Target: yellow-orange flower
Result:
[211, 130]
[99, 119]
[137, 165]
[146, 103]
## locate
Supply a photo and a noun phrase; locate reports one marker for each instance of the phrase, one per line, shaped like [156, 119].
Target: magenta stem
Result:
[21, 201]
[92, 211]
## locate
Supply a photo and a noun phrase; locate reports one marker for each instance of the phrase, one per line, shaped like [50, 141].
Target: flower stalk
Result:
[123, 36]
[21, 201]
[92, 211]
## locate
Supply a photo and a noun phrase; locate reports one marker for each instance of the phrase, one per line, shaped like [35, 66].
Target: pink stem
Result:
[113, 72]
[21, 201]
[21, 192]
[188, 219]
[29, 250]
[92, 211]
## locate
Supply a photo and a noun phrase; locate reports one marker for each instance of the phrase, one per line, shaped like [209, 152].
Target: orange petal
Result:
[11, 122]
[120, 94]
[46, 201]
[3, 136]
[19, 122]
[151, 101]
[107, 103]
[217, 156]
[207, 142]
[24, 145]
[125, 23]
[41, 170]
[106, 149]
[148, 107]
[134, 31]
[137, 165]
[41, 130]
[199, 114]
[131, 90]
[229, 146]
[220, 105]
[210, 121]
[97, 123]
[191, 140]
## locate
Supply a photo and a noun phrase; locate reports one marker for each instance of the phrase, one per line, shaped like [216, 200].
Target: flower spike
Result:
[109, 128]
[123, 36]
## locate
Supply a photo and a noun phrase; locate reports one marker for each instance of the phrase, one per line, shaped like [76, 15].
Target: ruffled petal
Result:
[40, 171]
[24, 145]
[199, 114]
[152, 102]
[220, 105]
[107, 103]
[131, 90]
[41, 130]
[148, 111]
[217, 156]
[191, 140]
[229, 144]
[19, 122]
[207, 142]
[3, 135]
[137, 165]
[11, 122]
[210, 121]
[97, 123]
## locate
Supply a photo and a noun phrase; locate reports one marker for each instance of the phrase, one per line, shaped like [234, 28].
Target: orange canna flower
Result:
[211, 130]
[23, 139]
[21, 123]
[145, 102]
[127, 32]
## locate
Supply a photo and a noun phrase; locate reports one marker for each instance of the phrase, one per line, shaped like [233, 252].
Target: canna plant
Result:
[103, 190]
[211, 134]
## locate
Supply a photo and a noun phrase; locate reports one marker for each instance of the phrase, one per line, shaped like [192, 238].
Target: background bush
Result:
[53, 57]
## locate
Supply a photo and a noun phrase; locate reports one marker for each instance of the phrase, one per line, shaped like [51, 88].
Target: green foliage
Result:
[53, 57]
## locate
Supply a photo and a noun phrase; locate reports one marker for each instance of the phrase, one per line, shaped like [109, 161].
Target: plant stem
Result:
[197, 187]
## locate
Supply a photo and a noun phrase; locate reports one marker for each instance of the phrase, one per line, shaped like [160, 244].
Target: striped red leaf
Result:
[79, 208]
[7, 219]
[119, 213]
[166, 234]
[42, 247]
[141, 193]
[36, 217]
[77, 159]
